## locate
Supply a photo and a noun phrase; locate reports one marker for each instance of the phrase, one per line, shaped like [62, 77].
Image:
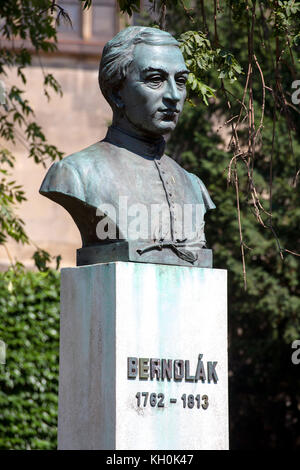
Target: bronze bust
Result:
[128, 199]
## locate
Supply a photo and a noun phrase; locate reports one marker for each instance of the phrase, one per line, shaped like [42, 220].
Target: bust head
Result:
[142, 75]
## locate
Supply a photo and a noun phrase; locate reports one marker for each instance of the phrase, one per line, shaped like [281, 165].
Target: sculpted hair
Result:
[118, 54]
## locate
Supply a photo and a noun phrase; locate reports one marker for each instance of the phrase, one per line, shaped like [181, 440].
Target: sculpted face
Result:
[153, 93]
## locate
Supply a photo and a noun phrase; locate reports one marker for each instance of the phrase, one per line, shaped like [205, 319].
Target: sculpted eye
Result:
[154, 80]
[181, 81]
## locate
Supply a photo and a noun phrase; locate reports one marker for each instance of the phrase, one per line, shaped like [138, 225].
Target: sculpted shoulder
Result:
[87, 157]
[69, 175]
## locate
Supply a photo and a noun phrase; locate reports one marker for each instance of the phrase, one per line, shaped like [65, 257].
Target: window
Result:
[90, 28]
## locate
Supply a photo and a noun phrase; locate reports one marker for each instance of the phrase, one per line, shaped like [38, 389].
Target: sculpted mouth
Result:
[169, 110]
[169, 117]
[169, 114]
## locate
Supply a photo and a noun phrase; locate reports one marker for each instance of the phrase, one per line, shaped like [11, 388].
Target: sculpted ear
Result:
[116, 98]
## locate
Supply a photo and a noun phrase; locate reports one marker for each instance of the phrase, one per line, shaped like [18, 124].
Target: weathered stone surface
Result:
[111, 312]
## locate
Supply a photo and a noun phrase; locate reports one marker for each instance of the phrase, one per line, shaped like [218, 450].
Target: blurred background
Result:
[72, 122]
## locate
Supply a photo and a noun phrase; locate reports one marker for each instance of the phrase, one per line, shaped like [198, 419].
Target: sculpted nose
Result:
[172, 93]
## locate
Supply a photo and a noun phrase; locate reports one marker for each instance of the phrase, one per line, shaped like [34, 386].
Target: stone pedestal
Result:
[143, 358]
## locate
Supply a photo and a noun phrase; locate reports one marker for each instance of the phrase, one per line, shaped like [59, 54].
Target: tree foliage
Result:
[219, 63]
[264, 319]
[29, 23]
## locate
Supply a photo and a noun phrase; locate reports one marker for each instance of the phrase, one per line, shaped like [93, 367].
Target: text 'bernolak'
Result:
[146, 368]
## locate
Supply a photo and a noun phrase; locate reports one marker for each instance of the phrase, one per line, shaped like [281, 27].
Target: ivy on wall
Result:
[29, 325]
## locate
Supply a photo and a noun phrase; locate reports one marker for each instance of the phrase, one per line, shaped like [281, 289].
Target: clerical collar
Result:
[143, 147]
